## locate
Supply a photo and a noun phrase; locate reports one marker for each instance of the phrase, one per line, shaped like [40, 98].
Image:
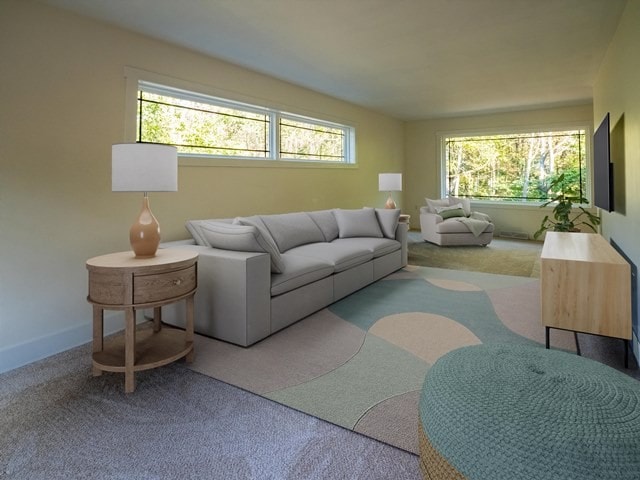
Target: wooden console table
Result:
[585, 287]
[120, 281]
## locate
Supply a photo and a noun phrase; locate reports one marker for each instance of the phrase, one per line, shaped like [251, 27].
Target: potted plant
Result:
[564, 219]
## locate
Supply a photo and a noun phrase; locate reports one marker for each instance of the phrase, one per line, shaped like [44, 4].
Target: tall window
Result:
[201, 125]
[515, 167]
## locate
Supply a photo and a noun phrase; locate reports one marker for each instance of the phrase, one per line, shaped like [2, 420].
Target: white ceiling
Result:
[412, 59]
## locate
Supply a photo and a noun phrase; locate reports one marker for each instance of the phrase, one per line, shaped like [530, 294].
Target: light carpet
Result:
[361, 362]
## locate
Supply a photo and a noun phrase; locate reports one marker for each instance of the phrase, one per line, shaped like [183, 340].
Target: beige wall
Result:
[421, 159]
[617, 91]
[62, 104]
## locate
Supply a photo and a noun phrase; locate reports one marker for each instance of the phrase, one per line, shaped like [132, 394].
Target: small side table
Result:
[404, 218]
[120, 281]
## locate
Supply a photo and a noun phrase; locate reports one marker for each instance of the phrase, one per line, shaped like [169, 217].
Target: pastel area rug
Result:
[361, 362]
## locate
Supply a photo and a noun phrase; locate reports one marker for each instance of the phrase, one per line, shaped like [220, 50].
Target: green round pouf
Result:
[512, 412]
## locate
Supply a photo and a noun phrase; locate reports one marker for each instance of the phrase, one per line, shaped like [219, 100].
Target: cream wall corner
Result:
[62, 91]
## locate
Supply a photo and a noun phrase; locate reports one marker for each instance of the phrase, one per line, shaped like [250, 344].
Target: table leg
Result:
[546, 337]
[575, 336]
[98, 335]
[626, 352]
[189, 328]
[129, 350]
[157, 319]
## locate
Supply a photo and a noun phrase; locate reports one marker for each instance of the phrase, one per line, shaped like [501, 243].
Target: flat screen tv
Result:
[602, 167]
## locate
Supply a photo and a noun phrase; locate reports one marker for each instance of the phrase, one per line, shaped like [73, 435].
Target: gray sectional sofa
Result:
[259, 274]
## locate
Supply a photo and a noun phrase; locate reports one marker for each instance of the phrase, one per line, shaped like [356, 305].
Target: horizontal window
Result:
[201, 125]
[518, 167]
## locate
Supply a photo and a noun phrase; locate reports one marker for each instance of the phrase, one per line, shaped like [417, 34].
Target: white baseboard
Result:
[24, 353]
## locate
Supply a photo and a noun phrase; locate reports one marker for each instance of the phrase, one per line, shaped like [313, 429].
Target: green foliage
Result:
[203, 128]
[515, 167]
[562, 220]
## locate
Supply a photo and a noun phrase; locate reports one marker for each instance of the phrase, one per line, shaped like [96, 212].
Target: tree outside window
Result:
[515, 167]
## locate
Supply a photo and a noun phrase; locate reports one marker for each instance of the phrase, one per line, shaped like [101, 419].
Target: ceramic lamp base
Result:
[144, 235]
[390, 203]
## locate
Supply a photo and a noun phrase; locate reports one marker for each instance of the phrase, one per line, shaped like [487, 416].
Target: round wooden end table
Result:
[120, 281]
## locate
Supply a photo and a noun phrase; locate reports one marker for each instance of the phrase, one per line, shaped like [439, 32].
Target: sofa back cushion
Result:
[241, 238]
[194, 227]
[388, 220]
[292, 229]
[326, 221]
[357, 223]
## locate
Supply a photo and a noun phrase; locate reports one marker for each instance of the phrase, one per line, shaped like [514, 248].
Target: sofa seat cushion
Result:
[377, 246]
[298, 271]
[453, 225]
[341, 255]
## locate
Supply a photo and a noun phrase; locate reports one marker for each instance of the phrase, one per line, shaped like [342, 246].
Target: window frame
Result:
[196, 92]
[538, 128]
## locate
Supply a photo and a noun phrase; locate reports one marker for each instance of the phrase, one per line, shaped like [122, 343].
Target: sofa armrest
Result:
[428, 222]
[233, 300]
[402, 235]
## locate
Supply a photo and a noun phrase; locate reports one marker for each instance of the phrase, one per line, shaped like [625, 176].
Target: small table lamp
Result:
[390, 182]
[144, 167]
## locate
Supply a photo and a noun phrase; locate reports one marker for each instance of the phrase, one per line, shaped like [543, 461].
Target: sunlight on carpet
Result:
[504, 257]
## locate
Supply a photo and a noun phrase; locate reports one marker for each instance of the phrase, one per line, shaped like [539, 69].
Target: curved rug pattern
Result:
[361, 362]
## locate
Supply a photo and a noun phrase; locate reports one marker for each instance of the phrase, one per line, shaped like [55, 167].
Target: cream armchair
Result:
[450, 221]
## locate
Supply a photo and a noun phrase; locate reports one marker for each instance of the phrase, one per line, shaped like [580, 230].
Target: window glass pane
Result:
[201, 128]
[515, 167]
[206, 126]
[308, 141]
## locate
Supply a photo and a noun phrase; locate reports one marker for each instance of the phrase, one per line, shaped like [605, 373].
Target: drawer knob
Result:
[177, 282]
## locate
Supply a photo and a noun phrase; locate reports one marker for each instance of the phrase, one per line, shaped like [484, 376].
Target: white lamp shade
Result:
[390, 182]
[144, 167]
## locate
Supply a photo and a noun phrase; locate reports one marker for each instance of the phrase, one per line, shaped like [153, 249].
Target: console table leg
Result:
[575, 335]
[546, 337]
[626, 353]
[129, 350]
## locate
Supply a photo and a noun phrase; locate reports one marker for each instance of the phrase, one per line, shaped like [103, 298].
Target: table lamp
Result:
[390, 182]
[144, 167]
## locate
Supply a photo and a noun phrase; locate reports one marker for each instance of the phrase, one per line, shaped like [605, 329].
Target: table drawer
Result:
[162, 286]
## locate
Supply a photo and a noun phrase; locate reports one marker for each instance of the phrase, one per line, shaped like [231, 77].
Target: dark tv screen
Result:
[602, 168]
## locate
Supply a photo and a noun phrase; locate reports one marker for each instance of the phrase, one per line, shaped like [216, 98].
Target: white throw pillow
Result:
[432, 205]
